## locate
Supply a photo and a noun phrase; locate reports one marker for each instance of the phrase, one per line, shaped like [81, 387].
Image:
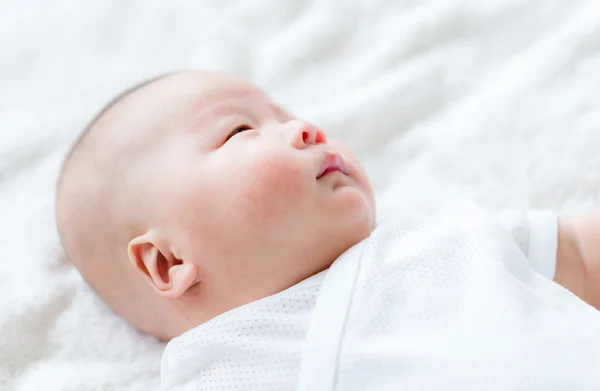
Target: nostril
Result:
[319, 137]
[305, 135]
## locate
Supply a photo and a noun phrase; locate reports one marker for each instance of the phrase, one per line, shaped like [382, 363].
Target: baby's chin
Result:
[354, 213]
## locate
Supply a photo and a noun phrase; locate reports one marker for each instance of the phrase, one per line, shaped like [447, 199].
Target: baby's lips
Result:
[333, 162]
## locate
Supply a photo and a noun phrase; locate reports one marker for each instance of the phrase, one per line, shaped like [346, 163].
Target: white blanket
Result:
[498, 100]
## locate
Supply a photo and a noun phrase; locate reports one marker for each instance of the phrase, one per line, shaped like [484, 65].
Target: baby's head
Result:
[196, 193]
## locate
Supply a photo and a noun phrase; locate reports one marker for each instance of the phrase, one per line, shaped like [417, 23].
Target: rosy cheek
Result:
[272, 187]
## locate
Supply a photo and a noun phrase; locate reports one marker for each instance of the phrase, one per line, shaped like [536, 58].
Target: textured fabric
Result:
[256, 347]
[452, 303]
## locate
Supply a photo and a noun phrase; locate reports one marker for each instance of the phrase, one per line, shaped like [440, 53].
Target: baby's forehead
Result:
[218, 94]
[205, 87]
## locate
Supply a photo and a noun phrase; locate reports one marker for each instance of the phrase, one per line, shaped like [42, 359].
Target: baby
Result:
[204, 213]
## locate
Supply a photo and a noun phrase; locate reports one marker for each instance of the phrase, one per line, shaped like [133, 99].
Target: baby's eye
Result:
[238, 130]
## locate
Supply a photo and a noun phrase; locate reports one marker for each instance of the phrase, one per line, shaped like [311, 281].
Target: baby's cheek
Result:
[274, 187]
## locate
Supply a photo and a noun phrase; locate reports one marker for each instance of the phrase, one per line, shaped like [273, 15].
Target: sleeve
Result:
[536, 234]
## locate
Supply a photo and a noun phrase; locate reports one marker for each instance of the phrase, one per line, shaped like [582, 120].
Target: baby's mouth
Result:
[333, 163]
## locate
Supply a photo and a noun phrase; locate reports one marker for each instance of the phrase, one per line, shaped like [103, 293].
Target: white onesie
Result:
[463, 300]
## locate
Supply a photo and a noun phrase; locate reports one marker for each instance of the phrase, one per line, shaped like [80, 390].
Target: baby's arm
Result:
[578, 255]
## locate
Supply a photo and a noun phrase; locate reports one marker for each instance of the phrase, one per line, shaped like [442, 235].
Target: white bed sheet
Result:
[497, 100]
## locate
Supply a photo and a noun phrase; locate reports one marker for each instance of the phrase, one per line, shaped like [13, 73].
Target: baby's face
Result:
[257, 198]
[222, 198]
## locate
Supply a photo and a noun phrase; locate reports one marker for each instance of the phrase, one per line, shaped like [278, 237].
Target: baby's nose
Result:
[303, 133]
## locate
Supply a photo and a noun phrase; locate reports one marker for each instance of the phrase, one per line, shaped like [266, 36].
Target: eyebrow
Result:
[229, 106]
[221, 109]
[201, 111]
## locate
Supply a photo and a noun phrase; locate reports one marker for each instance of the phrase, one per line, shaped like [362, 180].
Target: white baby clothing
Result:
[463, 300]
[254, 347]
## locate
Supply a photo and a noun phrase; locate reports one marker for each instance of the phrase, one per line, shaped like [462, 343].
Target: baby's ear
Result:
[168, 276]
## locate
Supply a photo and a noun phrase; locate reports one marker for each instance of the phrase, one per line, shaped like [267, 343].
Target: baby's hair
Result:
[103, 111]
